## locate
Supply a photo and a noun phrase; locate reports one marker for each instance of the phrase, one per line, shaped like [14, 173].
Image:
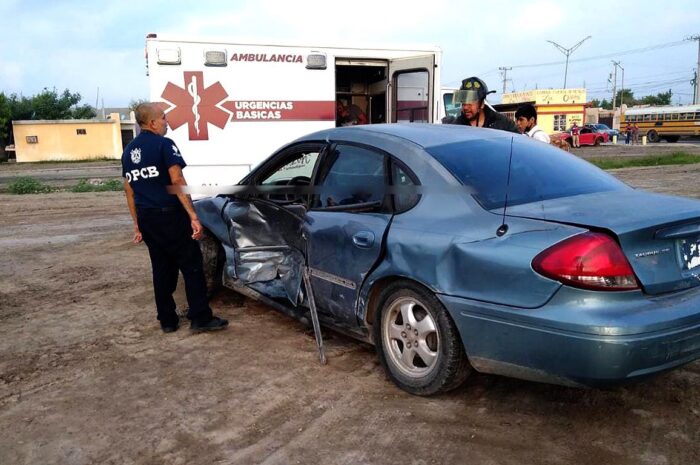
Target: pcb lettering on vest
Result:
[143, 173]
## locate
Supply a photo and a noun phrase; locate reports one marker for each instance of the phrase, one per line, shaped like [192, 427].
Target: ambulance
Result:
[232, 104]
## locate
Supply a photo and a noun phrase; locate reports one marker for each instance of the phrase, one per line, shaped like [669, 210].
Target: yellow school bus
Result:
[668, 123]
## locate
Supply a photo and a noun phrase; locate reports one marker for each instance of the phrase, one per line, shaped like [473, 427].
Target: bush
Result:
[97, 185]
[27, 185]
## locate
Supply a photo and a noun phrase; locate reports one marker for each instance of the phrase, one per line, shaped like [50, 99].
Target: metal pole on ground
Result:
[314, 315]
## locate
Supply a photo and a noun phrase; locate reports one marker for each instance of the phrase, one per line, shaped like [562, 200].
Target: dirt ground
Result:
[87, 377]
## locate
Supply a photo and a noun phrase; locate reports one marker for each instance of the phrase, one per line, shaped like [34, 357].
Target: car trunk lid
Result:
[659, 234]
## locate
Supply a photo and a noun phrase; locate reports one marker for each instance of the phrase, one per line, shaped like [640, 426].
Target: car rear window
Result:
[538, 171]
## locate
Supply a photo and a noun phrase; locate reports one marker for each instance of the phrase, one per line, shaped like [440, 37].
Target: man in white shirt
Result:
[526, 120]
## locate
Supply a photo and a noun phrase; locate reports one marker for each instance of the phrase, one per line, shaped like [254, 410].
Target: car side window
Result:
[354, 178]
[400, 178]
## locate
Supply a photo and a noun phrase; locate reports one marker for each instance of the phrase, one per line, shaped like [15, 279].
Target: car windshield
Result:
[538, 171]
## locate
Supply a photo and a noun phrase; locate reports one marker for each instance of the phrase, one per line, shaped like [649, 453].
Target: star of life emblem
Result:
[136, 155]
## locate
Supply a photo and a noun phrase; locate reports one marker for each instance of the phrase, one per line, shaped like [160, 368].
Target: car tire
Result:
[417, 342]
[653, 136]
[212, 262]
[597, 141]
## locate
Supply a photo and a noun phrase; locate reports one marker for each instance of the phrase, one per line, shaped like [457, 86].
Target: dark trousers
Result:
[168, 235]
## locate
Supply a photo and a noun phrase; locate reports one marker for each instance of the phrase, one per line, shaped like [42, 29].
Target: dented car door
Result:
[345, 227]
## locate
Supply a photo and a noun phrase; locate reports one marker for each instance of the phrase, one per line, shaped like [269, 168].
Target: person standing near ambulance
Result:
[167, 223]
[472, 96]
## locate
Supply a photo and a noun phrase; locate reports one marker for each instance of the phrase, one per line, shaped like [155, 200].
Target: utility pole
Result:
[622, 87]
[567, 52]
[504, 72]
[696, 91]
[614, 97]
[693, 83]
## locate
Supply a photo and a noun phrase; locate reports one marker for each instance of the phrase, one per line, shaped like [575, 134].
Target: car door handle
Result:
[363, 239]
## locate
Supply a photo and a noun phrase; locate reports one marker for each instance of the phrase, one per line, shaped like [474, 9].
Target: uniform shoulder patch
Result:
[136, 155]
[176, 152]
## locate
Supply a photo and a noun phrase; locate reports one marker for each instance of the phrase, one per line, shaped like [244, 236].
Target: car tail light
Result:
[590, 261]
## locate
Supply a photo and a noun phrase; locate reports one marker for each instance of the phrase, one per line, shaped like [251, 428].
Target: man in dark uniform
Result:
[167, 223]
[472, 96]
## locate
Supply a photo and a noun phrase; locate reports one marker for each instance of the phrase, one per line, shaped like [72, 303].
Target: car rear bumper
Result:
[594, 351]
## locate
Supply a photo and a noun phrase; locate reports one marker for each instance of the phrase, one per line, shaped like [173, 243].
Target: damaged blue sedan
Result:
[454, 249]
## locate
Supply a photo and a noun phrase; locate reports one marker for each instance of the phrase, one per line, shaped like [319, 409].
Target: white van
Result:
[231, 104]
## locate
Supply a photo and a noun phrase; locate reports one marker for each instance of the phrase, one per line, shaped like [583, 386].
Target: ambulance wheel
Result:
[213, 262]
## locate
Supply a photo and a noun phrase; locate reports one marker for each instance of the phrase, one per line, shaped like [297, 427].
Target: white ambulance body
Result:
[231, 104]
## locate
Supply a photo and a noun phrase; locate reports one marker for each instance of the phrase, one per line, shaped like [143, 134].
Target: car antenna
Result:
[503, 228]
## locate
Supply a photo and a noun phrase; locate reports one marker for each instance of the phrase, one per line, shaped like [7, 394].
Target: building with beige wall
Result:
[62, 140]
[557, 109]
[601, 115]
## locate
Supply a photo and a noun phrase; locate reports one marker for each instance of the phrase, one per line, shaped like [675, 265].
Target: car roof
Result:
[423, 135]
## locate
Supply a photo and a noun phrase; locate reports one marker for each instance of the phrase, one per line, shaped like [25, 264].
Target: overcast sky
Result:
[83, 45]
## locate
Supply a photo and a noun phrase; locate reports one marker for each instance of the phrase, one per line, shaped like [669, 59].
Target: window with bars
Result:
[559, 122]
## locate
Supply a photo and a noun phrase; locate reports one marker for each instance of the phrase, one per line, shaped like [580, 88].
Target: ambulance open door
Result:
[411, 93]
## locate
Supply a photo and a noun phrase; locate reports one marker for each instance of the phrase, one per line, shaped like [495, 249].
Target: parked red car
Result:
[587, 136]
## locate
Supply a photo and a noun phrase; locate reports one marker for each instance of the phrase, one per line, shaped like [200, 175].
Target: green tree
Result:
[48, 104]
[5, 120]
[136, 102]
[662, 98]
[627, 96]
[84, 111]
[21, 107]
[605, 104]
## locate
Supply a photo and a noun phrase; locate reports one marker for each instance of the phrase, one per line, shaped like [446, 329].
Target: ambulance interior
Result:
[360, 92]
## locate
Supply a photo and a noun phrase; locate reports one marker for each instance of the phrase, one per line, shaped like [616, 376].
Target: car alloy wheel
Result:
[411, 337]
[417, 342]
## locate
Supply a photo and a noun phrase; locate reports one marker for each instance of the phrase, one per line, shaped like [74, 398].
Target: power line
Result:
[579, 60]
[607, 55]
[645, 86]
[599, 86]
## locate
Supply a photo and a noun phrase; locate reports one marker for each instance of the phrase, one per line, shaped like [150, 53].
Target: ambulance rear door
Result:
[411, 96]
